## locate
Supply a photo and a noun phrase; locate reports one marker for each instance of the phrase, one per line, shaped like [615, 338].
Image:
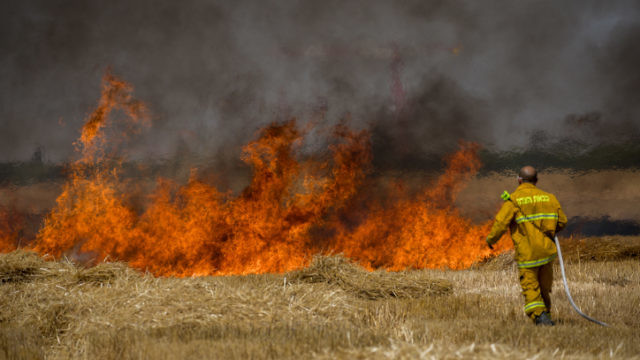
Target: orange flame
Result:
[116, 95]
[292, 209]
[425, 231]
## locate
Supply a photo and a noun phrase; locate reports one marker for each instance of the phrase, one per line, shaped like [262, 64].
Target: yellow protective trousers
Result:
[536, 285]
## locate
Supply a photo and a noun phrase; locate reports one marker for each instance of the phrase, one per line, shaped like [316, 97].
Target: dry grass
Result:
[57, 310]
[602, 248]
[21, 266]
[340, 271]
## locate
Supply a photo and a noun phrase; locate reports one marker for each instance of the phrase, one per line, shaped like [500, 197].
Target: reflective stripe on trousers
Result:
[533, 305]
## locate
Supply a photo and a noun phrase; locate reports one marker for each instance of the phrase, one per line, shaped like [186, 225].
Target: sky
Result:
[421, 75]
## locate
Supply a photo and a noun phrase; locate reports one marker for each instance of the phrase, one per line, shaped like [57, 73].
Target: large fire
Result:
[294, 207]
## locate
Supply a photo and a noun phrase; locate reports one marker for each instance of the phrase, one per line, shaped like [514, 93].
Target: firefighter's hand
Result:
[488, 243]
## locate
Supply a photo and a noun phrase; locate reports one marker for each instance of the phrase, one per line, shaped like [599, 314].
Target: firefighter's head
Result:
[528, 174]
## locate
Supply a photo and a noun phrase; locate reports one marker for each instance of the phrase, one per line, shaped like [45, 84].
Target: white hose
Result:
[566, 289]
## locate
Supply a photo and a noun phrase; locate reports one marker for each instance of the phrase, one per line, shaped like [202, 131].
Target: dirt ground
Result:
[32, 199]
[612, 193]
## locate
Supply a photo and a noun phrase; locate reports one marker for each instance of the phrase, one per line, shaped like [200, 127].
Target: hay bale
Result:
[105, 273]
[329, 269]
[21, 265]
[342, 272]
[502, 261]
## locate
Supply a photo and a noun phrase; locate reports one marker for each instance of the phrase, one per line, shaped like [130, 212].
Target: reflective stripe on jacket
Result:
[533, 224]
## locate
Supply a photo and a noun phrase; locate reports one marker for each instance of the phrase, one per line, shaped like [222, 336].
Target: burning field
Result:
[295, 206]
[317, 256]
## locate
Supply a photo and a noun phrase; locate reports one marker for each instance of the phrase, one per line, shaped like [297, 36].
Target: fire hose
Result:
[566, 288]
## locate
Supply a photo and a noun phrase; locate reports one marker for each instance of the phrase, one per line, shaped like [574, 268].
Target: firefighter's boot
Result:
[544, 319]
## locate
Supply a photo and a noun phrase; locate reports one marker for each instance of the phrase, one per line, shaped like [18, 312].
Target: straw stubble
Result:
[331, 309]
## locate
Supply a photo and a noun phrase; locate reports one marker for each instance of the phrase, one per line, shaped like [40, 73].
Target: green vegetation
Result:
[561, 155]
[569, 155]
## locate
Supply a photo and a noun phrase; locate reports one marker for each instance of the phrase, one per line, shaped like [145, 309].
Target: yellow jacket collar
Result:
[525, 185]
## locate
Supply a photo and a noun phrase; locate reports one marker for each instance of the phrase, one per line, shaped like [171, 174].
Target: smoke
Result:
[421, 74]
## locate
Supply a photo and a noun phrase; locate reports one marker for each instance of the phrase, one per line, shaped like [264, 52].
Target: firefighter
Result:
[533, 217]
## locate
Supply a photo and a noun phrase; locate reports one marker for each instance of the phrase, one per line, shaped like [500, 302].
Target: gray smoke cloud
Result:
[422, 74]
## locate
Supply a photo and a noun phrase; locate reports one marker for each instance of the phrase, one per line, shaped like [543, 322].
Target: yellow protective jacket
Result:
[534, 217]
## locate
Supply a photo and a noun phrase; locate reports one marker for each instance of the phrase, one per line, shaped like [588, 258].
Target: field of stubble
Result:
[332, 309]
